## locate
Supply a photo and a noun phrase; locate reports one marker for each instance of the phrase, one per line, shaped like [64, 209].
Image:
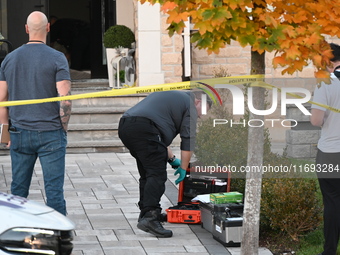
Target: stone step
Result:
[117, 101]
[96, 118]
[95, 127]
[90, 84]
[92, 132]
[4, 150]
[98, 110]
[112, 145]
[94, 122]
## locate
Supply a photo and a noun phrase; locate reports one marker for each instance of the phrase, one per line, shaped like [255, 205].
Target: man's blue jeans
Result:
[50, 147]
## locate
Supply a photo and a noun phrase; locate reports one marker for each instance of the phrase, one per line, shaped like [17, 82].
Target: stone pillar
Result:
[303, 138]
[148, 54]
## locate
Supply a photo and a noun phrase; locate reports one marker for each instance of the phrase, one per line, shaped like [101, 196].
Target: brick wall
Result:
[233, 57]
[237, 60]
[171, 54]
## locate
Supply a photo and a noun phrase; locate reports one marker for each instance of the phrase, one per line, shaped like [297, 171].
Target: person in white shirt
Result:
[328, 155]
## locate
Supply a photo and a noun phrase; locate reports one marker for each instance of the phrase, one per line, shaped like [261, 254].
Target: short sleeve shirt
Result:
[31, 72]
[329, 94]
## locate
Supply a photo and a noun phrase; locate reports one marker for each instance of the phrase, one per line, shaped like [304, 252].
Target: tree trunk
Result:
[251, 217]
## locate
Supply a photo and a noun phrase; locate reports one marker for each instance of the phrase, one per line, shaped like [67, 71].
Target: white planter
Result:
[113, 59]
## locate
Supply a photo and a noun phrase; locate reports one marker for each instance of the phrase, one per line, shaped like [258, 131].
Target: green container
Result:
[228, 197]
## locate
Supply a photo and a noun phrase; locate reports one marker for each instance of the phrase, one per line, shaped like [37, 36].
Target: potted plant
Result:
[117, 41]
[118, 36]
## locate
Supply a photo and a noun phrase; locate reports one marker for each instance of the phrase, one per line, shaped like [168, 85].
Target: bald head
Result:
[37, 24]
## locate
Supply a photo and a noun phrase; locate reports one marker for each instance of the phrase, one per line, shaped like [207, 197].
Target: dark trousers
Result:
[143, 140]
[330, 188]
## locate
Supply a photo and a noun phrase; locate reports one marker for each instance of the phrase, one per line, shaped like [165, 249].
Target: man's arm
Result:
[3, 97]
[170, 153]
[317, 117]
[185, 159]
[64, 89]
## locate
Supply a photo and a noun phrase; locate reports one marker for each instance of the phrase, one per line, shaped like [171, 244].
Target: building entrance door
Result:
[78, 29]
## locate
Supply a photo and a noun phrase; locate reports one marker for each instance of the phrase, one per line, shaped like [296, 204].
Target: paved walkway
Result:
[101, 191]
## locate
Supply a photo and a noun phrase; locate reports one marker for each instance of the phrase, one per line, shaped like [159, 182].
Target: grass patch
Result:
[304, 167]
[312, 243]
[278, 243]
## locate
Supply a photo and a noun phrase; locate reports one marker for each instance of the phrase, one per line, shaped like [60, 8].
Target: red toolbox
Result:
[184, 213]
[187, 211]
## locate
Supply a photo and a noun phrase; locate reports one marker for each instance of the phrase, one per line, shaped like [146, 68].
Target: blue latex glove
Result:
[182, 173]
[176, 163]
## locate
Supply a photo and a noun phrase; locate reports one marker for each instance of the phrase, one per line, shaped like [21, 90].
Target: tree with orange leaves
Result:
[294, 29]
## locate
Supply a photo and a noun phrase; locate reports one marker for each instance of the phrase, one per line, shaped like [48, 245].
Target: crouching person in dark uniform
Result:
[147, 129]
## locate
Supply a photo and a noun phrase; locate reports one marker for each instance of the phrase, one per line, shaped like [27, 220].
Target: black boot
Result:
[151, 223]
[163, 217]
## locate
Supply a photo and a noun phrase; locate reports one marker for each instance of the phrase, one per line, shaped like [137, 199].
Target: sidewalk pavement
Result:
[101, 191]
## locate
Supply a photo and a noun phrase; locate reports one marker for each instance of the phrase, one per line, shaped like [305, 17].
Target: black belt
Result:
[138, 119]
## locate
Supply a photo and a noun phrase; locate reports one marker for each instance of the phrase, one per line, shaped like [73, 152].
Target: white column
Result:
[187, 49]
[149, 45]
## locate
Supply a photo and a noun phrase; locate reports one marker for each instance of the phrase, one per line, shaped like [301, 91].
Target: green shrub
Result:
[222, 146]
[118, 36]
[122, 76]
[290, 205]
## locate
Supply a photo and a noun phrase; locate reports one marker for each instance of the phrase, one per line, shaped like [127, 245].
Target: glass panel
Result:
[3, 18]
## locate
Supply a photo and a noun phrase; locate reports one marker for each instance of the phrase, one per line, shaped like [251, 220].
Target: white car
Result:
[28, 227]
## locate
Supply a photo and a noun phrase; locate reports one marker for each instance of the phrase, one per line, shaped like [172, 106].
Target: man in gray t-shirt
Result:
[35, 71]
[147, 130]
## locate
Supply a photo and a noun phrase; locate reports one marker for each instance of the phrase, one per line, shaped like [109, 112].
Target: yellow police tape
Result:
[269, 86]
[254, 80]
[140, 90]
